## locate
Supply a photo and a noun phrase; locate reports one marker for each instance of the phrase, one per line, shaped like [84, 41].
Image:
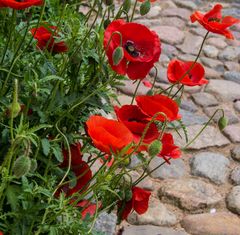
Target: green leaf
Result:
[46, 146]
[127, 5]
[145, 7]
[12, 193]
[57, 152]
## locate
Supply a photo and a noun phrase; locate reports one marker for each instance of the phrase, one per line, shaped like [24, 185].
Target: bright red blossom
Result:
[139, 202]
[136, 121]
[214, 22]
[108, 135]
[89, 208]
[46, 38]
[151, 105]
[195, 77]
[20, 5]
[169, 149]
[141, 48]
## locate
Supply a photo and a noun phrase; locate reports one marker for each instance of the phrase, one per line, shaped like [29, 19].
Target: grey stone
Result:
[164, 59]
[232, 66]
[212, 73]
[106, 223]
[192, 89]
[157, 214]
[199, 31]
[154, 12]
[212, 166]
[135, 162]
[204, 99]
[235, 153]
[176, 169]
[235, 175]
[189, 106]
[210, 51]
[146, 183]
[169, 34]
[186, 57]
[191, 44]
[128, 88]
[190, 194]
[234, 12]
[230, 53]
[228, 113]
[225, 90]
[233, 200]
[210, 137]
[233, 132]
[217, 42]
[169, 50]
[232, 76]
[237, 105]
[123, 99]
[186, 4]
[211, 63]
[221, 223]
[173, 21]
[151, 230]
[179, 12]
[189, 118]
[161, 74]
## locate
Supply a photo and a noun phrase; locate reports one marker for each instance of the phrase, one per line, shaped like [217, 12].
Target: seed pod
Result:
[154, 148]
[222, 123]
[117, 55]
[145, 7]
[21, 166]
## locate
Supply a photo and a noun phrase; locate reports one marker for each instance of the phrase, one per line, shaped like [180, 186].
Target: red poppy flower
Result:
[89, 208]
[141, 48]
[108, 135]
[195, 77]
[46, 38]
[169, 149]
[76, 155]
[83, 175]
[139, 202]
[136, 121]
[214, 22]
[20, 5]
[151, 105]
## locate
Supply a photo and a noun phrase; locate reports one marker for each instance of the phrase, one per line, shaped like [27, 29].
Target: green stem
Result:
[135, 92]
[203, 128]
[134, 8]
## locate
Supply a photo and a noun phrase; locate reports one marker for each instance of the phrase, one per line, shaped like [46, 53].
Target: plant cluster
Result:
[62, 162]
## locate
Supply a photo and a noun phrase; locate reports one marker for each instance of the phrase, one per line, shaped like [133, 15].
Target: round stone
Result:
[235, 153]
[190, 194]
[210, 51]
[235, 175]
[233, 200]
[221, 223]
[212, 166]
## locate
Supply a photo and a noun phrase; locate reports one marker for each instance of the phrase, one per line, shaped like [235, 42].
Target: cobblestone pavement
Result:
[198, 194]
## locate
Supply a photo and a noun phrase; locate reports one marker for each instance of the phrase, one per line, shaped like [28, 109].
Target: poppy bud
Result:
[15, 107]
[117, 55]
[145, 7]
[127, 5]
[33, 166]
[222, 123]
[21, 166]
[154, 148]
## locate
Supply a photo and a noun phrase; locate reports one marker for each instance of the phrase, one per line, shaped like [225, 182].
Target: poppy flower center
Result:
[214, 19]
[131, 49]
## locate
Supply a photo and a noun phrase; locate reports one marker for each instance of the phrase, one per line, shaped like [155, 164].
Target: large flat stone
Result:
[178, 12]
[204, 99]
[189, 118]
[212, 166]
[233, 132]
[169, 34]
[221, 223]
[189, 194]
[210, 137]
[157, 214]
[176, 169]
[191, 44]
[151, 230]
[106, 223]
[225, 90]
[229, 53]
